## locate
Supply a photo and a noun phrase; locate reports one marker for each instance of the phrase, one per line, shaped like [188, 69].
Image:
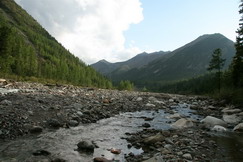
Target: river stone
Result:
[139, 99]
[152, 99]
[6, 102]
[73, 123]
[232, 119]
[175, 116]
[101, 159]
[238, 128]
[153, 139]
[231, 111]
[146, 125]
[58, 160]
[150, 105]
[79, 113]
[41, 153]
[36, 129]
[212, 121]
[182, 123]
[156, 158]
[219, 128]
[86, 146]
[54, 123]
[187, 156]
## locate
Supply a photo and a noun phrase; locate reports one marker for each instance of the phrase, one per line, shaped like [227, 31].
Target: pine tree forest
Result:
[27, 50]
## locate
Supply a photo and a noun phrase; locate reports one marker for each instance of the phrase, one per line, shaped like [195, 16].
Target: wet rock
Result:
[36, 129]
[58, 160]
[211, 121]
[153, 139]
[73, 123]
[187, 156]
[41, 153]
[175, 116]
[182, 123]
[219, 128]
[146, 125]
[86, 146]
[54, 123]
[232, 119]
[101, 159]
[115, 151]
[238, 128]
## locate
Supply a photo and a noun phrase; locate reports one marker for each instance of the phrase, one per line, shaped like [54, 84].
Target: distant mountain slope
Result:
[28, 50]
[138, 61]
[188, 61]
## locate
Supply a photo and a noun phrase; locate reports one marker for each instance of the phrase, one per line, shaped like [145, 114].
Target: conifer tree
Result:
[237, 63]
[217, 63]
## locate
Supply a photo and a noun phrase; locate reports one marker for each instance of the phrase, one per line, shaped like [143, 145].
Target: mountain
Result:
[138, 61]
[27, 50]
[185, 62]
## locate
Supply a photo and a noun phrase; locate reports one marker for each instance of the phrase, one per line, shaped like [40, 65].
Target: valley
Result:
[47, 122]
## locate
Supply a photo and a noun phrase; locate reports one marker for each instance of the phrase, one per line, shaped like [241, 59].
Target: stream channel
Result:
[106, 134]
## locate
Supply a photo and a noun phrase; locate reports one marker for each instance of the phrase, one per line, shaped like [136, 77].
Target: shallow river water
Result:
[106, 134]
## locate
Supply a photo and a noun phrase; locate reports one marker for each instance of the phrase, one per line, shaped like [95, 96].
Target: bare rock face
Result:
[182, 123]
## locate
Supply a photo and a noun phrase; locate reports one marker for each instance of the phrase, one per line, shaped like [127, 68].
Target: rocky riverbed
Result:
[161, 127]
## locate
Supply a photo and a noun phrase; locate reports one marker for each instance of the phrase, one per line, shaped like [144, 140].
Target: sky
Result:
[116, 30]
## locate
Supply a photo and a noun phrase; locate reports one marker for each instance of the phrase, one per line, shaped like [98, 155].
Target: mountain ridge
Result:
[184, 62]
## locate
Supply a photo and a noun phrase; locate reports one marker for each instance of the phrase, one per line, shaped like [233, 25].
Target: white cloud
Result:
[90, 29]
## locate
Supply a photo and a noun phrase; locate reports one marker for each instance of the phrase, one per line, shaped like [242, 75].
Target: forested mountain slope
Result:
[186, 62]
[28, 50]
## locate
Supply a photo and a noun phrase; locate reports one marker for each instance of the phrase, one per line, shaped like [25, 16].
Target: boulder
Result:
[153, 139]
[86, 146]
[219, 128]
[232, 119]
[238, 128]
[182, 123]
[212, 121]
